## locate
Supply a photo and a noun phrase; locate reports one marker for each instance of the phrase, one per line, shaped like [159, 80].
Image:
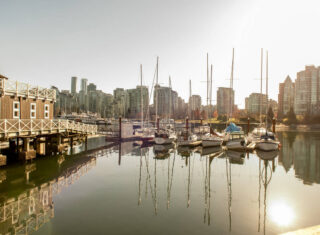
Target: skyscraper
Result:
[84, 85]
[286, 96]
[307, 91]
[254, 102]
[74, 85]
[225, 100]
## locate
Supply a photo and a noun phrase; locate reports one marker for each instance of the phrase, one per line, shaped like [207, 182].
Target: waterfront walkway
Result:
[10, 128]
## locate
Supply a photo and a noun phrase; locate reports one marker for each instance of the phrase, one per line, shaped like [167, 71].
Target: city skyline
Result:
[108, 45]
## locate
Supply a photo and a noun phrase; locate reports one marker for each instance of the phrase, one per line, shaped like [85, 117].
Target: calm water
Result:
[128, 191]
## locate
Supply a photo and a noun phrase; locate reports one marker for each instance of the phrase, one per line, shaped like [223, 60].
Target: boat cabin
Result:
[22, 101]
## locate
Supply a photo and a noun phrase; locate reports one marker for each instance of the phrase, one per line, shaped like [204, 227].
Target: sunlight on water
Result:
[281, 213]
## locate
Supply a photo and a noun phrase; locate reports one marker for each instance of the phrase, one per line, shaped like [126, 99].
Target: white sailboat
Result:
[267, 142]
[234, 136]
[186, 138]
[145, 134]
[259, 131]
[210, 139]
[167, 135]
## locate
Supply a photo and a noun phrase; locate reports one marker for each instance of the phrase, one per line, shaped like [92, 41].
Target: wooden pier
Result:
[30, 137]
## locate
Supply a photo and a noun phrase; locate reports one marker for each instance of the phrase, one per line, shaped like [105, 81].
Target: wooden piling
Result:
[158, 124]
[248, 126]
[187, 123]
[274, 125]
[120, 129]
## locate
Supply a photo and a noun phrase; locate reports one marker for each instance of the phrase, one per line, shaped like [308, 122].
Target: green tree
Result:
[270, 115]
[292, 119]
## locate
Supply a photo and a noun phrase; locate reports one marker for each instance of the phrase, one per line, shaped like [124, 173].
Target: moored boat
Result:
[165, 137]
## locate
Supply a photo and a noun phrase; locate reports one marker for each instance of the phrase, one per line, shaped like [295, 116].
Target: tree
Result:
[270, 115]
[292, 119]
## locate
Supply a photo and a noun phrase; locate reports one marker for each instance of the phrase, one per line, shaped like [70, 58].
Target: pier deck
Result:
[10, 128]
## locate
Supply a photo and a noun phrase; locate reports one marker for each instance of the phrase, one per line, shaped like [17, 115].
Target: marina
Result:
[193, 190]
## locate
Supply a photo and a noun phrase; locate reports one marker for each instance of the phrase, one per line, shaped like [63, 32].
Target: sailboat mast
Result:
[141, 96]
[170, 98]
[210, 94]
[267, 91]
[207, 79]
[231, 83]
[156, 90]
[190, 111]
[260, 109]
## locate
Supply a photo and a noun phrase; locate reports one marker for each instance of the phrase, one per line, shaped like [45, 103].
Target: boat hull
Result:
[159, 140]
[267, 145]
[236, 144]
[190, 143]
[211, 143]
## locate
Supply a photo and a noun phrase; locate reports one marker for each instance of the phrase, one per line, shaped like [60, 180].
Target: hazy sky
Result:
[45, 42]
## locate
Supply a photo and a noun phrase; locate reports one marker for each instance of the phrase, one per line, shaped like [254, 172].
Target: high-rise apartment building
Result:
[255, 102]
[84, 85]
[165, 99]
[286, 96]
[74, 85]
[225, 101]
[307, 91]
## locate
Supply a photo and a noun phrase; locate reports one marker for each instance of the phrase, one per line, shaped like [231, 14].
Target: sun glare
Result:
[281, 214]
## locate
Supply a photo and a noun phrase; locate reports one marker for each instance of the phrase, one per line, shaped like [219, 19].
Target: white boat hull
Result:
[211, 143]
[159, 140]
[190, 143]
[267, 145]
[236, 144]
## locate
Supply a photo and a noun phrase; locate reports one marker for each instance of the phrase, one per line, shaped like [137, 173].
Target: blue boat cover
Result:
[232, 127]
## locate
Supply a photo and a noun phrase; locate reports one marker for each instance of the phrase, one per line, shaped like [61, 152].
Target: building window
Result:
[16, 109]
[46, 111]
[33, 109]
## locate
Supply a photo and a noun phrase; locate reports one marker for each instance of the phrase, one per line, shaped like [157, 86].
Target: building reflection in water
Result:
[27, 212]
[301, 151]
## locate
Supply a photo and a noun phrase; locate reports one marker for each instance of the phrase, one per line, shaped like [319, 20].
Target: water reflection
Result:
[210, 190]
[301, 151]
[27, 204]
[265, 176]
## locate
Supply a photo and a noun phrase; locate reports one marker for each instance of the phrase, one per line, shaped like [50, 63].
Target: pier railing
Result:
[25, 127]
[15, 88]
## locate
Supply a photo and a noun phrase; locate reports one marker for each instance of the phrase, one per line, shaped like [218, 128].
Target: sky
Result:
[45, 42]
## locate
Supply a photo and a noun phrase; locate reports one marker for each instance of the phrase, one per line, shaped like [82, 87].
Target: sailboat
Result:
[145, 134]
[210, 139]
[166, 135]
[259, 131]
[186, 137]
[268, 141]
[233, 135]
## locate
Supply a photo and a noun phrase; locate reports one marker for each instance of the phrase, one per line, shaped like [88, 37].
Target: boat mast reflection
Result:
[228, 173]
[207, 185]
[265, 179]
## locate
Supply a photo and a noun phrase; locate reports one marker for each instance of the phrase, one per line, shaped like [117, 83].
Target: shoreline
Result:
[298, 128]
